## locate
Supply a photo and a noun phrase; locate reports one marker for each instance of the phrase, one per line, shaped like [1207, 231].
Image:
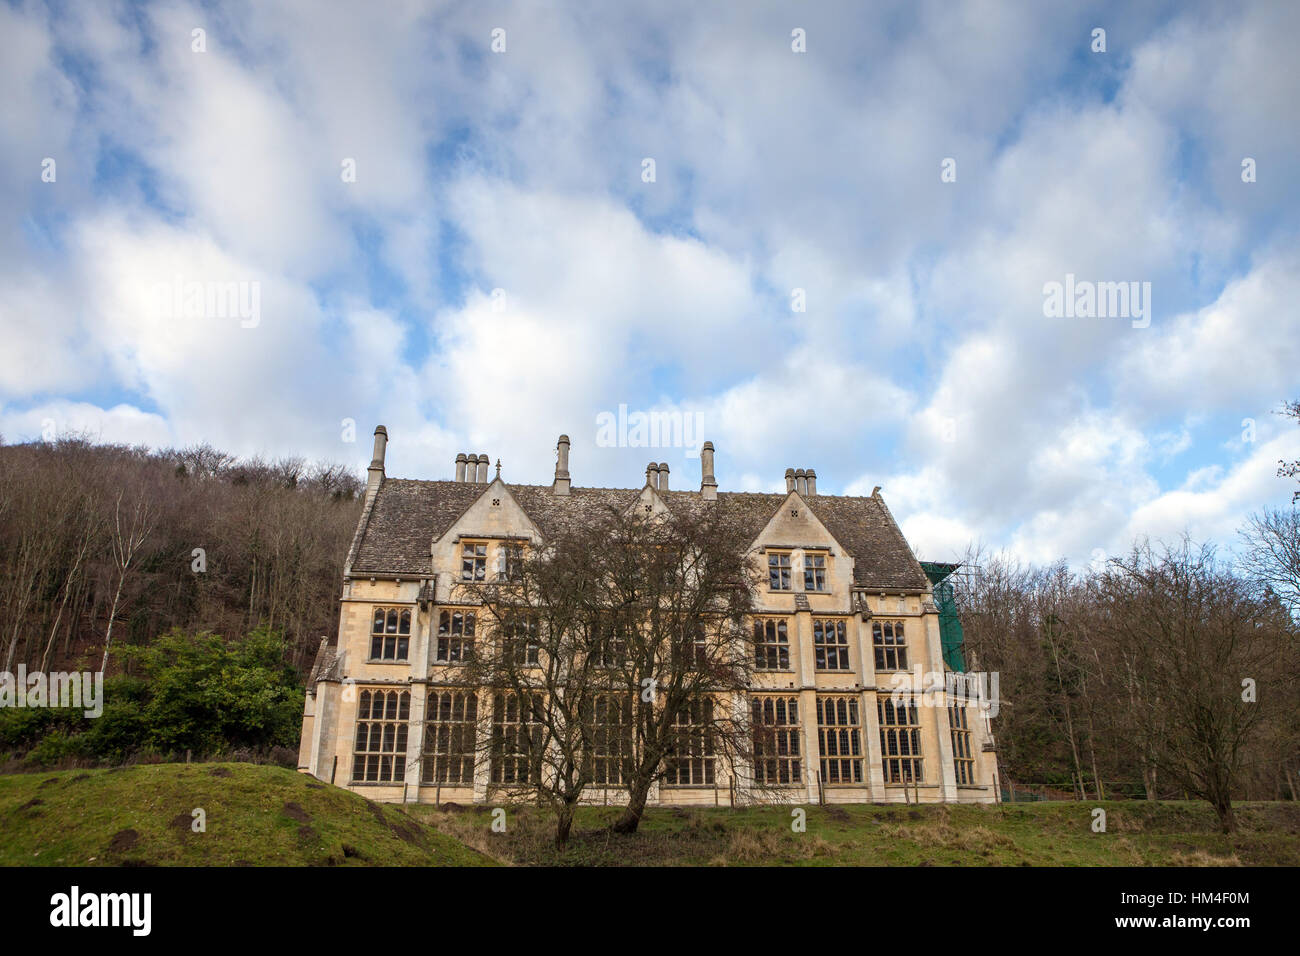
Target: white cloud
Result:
[1237, 353]
[121, 424]
[923, 361]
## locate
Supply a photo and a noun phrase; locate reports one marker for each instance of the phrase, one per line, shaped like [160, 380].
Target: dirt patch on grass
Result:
[377, 812]
[401, 826]
[295, 812]
[32, 803]
[221, 772]
[182, 823]
[79, 777]
[407, 830]
[123, 840]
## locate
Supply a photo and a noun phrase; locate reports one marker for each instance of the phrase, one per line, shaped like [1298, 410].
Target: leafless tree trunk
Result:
[125, 544]
[85, 543]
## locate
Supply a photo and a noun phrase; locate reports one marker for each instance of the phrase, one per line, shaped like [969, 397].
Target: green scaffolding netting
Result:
[950, 634]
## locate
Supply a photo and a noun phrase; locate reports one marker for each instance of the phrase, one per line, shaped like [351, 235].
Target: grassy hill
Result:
[255, 816]
[269, 816]
[1040, 834]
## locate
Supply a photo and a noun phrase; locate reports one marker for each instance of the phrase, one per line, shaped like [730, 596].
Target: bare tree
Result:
[679, 588]
[554, 724]
[1272, 553]
[616, 657]
[127, 537]
[1213, 659]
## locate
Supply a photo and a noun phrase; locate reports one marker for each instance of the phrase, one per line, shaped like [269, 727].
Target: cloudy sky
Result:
[374, 172]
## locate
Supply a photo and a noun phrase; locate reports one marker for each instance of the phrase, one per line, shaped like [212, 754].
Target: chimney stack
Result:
[375, 473]
[471, 468]
[460, 466]
[561, 486]
[652, 475]
[663, 476]
[800, 481]
[482, 467]
[708, 484]
[789, 480]
[812, 482]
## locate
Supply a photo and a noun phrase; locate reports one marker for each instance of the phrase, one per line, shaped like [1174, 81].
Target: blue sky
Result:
[923, 362]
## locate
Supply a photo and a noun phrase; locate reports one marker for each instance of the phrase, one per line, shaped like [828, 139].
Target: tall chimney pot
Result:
[381, 446]
[461, 460]
[811, 477]
[561, 485]
[663, 476]
[483, 461]
[800, 481]
[375, 473]
[708, 483]
[652, 475]
[789, 480]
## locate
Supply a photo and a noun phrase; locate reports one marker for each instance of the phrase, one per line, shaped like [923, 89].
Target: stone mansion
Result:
[846, 618]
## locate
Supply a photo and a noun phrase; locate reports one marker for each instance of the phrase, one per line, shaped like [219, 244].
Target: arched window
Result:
[771, 644]
[890, 647]
[516, 746]
[379, 754]
[830, 644]
[839, 735]
[455, 636]
[449, 737]
[390, 634]
[519, 641]
[900, 740]
[776, 741]
[691, 757]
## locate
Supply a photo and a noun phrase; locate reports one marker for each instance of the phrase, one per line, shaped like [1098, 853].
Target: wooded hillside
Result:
[108, 544]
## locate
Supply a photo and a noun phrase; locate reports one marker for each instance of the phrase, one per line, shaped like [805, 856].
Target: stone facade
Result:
[875, 607]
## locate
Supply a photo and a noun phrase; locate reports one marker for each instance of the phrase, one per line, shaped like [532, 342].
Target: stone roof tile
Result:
[409, 515]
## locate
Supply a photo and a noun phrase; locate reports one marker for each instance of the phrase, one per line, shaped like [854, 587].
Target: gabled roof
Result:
[407, 516]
